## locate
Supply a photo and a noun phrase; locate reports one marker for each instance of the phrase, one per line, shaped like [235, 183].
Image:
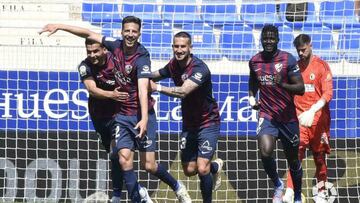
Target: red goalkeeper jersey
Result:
[318, 84]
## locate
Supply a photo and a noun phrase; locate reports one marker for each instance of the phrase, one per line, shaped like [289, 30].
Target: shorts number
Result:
[183, 143]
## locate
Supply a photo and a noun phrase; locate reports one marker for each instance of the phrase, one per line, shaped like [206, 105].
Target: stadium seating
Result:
[148, 13]
[203, 40]
[349, 46]
[337, 14]
[237, 42]
[97, 13]
[111, 30]
[257, 15]
[181, 14]
[311, 18]
[157, 38]
[220, 14]
[323, 43]
[286, 40]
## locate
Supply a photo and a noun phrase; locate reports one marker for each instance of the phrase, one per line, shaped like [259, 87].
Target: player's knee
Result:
[150, 167]
[203, 170]
[265, 154]
[189, 171]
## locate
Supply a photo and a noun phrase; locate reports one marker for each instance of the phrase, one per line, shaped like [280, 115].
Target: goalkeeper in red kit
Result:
[313, 112]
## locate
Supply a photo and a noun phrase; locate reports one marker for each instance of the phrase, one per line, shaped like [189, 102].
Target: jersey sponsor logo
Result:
[205, 148]
[110, 39]
[266, 79]
[278, 67]
[184, 77]
[82, 71]
[197, 76]
[128, 68]
[121, 78]
[312, 76]
[309, 88]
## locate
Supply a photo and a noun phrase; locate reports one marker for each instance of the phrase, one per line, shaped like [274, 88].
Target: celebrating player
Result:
[135, 120]
[313, 112]
[96, 72]
[201, 120]
[277, 77]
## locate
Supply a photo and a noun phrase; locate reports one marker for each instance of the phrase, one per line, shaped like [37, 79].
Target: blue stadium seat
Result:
[157, 38]
[97, 13]
[111, 30]
[237, 42]
[148, 13]
[349, 46]
[220, 14]
[286, 40]
[257, 15]
[181, 14]
[337, 14]
[323, 43]
[203, 40]
[311, 19]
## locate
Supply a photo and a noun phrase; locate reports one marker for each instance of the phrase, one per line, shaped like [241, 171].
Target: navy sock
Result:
[296, 174]
[270, 168]
[132, 185]
[214, 167]
[166, 177]
[206, 184]
[116, 176]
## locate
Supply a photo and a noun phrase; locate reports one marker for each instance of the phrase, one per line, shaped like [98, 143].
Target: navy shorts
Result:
[104, 129]
[288, 133]
[199, 143]
[125, 133]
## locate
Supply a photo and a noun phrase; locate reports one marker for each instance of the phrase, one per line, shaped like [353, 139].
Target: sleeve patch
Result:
[82, 71]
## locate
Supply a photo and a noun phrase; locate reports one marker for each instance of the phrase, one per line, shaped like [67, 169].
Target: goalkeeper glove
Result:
[306, 118]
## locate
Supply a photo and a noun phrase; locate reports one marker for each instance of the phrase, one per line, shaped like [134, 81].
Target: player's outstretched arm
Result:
[143, 87]
[78, 31]
[179, 92]
[99, 93]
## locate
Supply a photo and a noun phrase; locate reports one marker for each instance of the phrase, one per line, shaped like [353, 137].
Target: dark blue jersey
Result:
[128, 69]
[199, 108]
[104, 79]
[275, 102]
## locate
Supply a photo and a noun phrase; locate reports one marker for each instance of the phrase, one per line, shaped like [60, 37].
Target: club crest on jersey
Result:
[278, 67]
[184, 77]
[312, 76]
[128, 68]
[82, 71]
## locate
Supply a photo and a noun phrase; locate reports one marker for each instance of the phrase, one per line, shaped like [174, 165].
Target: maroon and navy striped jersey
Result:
[275, 102]
[199, 108]
[128, 69]
[104, 79]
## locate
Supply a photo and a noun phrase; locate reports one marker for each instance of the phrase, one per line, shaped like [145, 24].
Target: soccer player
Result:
[277, 77]
[313, 111]
[135, 120]
[201, 120]
[96, 72]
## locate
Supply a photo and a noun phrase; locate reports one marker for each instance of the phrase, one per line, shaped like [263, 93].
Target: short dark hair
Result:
[90, 42]
[270, 28]
[301, 40]
[184, 35]
[131, 19]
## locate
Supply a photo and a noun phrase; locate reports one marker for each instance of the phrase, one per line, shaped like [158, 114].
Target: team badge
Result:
[312, 76]
[278, 67]
[197, 76]
[128, 68]
[184, 77]
[328, 77]
[82, 71]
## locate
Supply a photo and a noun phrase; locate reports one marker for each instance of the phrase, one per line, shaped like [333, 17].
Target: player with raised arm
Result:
[135, 121]
[201, 119]
[313, 112]
[277, 77]
[96, 72]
